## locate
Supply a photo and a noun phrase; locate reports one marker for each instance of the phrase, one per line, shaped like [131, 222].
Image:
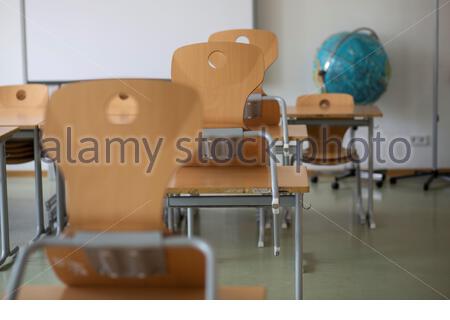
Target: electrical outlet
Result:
[420, 141]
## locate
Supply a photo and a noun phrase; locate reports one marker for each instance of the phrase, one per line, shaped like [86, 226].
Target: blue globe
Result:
[354, 63]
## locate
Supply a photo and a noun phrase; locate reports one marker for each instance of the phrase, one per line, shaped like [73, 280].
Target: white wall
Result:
[11, 49]
[302, 25]
[12, 66]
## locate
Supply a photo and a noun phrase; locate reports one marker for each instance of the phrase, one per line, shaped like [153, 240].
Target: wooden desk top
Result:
[296, 132]
[360, 112]
[236, 180]
[24, 119]
[6, 132]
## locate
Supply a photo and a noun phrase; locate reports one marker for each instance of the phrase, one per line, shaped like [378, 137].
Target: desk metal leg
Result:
[286, 160]
[4, 221]
[298, 238]
[39, 198]
[190, 222]
[356, 166]
[359, 206]
[169, 213]
[176, 213]
[372, 224]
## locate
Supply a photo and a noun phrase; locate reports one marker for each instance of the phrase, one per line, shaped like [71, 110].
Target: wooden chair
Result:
[225, 74]
[16, 101]
[326, 142]
[262, 109]
[115, 245]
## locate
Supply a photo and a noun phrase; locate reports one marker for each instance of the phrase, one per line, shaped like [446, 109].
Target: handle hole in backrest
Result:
[217, 59]
[324, 104]
[21, 95]
[123, 96]
[243, 39]
[122, 109]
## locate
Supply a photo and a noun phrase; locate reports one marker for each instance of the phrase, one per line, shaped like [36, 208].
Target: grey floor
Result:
[406, 257]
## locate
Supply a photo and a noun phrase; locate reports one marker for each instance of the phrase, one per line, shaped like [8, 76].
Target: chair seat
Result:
[19, 160]
[330, 158]
[13, 144]
[19, 151]
[235, 180]
[296, 132]
[69, 293]
[19, 156]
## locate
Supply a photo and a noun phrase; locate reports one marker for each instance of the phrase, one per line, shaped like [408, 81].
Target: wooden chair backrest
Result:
[224, 74]
[23, 97]
[184, 269]
[19, 101]
[113, 189]
[326, 103]
[267, 41]
[327, 139]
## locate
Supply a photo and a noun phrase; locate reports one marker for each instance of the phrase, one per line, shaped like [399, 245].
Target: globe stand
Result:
[378, 176]
[435, 173]
[432, 176]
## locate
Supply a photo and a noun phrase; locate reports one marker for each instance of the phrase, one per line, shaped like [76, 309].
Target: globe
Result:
[354, 63]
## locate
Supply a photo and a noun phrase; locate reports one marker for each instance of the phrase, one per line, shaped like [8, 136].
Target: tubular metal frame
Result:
[239, 133]
[285, 150]
[39, 197]
[355, 122]
[253, 201]
[117, 241]
[284, 120]
[39, 203]
[284, 125]
[60, 201]
[6, 250]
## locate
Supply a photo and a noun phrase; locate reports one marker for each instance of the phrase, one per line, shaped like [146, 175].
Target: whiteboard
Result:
[68, 40]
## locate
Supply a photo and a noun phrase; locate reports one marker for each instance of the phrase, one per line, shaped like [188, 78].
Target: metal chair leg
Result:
[6, 250]
[60, 203]
[268, 221]
[261, 227]
[359, 200]
[276, 233]
[287, 214]
[298, 246]
[190, 222]
[39, 198]
[177, 219]
[169, 213]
